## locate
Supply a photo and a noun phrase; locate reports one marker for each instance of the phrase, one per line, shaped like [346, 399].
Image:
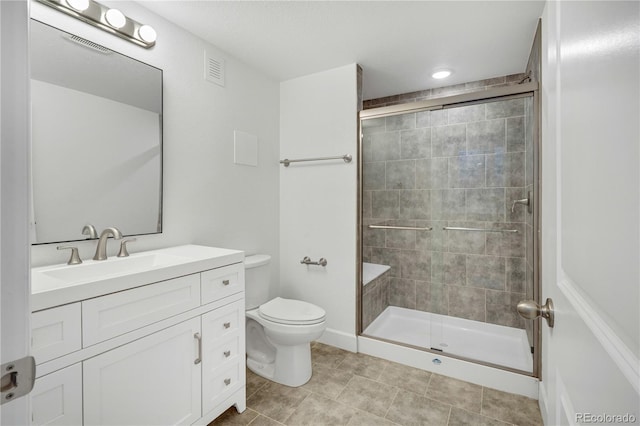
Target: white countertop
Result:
[62, 284]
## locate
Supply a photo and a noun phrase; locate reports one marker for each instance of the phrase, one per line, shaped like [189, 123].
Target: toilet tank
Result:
[257, 279]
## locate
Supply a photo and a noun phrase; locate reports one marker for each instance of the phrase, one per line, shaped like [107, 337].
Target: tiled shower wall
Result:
[459, 167]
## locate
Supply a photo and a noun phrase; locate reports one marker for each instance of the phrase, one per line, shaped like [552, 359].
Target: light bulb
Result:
[79, 5]
[115, 18]
[147, 33]
[441, 74]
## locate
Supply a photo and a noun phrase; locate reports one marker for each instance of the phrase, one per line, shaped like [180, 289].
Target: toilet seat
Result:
[293, 312]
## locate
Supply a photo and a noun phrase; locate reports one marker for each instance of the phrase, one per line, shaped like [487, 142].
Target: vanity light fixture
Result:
[107, 19]
[440, 74]
[115, 18]
[147, 33]
[79, 5]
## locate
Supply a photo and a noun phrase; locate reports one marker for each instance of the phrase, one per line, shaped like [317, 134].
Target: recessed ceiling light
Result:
[441, 74]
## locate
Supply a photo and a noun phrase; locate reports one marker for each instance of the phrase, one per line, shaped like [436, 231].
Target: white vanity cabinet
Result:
[153, 380]
[165, 353]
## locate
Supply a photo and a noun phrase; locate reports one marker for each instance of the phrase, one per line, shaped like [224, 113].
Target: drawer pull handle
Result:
[198, 337]
[225, 282]
[227, 324]
[227, 354]
[227, 382]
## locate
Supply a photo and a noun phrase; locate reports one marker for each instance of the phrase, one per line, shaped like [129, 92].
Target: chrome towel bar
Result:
[347, 159]
[406, 228]
[453, 228]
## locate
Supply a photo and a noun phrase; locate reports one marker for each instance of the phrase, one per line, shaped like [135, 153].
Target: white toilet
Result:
[279, 331]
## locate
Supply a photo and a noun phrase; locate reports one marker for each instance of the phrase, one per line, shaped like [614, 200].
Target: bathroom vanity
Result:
[155, 338]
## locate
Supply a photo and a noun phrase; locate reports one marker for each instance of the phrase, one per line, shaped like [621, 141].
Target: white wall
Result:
[318, 118]
[207, 199]
[590, 209]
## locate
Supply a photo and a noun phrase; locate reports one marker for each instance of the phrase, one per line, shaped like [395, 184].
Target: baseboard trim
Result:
[339, 339]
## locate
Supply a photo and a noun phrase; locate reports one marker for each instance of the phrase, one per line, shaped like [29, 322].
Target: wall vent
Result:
[213, 69]
[89, 44]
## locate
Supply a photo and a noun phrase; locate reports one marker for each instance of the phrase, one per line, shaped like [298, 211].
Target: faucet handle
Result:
[123, 247]
[75, 257]
[90, 230]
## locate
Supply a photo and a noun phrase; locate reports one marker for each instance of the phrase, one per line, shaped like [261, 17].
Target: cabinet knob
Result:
[227, 354]
[227, 382]
[227, 324]
[225, 282]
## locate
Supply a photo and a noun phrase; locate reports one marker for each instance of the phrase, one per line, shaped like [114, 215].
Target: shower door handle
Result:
[524, 201]
[529, 309]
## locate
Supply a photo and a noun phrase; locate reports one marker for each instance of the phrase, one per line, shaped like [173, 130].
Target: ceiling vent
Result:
[213, 69]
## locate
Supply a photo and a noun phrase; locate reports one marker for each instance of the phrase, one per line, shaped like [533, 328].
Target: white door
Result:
[590, 212]
[14, 190]
[151, 381]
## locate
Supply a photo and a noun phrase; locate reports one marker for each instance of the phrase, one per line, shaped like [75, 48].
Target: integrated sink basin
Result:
[113, 266]
[61, 284]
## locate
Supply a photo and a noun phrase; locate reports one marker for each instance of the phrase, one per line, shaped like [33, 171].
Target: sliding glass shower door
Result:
[447, 229]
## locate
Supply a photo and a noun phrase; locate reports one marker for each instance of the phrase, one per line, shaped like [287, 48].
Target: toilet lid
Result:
[289, 311]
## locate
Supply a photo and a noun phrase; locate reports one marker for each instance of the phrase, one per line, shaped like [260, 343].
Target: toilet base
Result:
[292, 365]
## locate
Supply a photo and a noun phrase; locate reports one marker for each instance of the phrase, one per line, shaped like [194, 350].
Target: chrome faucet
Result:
[101, 249]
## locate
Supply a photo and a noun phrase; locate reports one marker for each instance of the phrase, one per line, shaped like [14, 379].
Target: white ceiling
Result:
[397, 43]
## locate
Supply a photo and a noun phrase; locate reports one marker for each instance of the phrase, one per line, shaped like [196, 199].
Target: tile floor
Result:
[357, 389]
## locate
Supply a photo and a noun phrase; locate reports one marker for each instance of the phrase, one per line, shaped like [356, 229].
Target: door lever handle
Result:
[529, 309]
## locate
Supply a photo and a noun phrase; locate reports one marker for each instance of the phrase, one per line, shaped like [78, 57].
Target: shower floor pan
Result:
[495, 344]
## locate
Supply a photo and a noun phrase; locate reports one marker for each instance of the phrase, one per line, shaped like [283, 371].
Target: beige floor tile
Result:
[254, 382]
[264, 421]
[320, 410]
[360, 418]
[409, 408]
[510, 408]
[231, 417]
[326, 355]
[367, 395]
[460, 417]
[455, 392]
[277, 401]
[327, 381]
[407, 378]
[363, 365]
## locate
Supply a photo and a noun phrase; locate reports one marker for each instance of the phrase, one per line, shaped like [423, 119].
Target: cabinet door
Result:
[223, 358]
[152, 381]
[56, 399]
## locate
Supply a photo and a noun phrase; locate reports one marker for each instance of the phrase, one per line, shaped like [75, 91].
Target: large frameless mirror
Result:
[97, 139]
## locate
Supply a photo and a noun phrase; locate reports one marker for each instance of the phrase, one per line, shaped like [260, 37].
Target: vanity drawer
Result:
[109, 316]
[216, 387]
[225, 351]
[223, 322]
[222, 282]
[55, 332]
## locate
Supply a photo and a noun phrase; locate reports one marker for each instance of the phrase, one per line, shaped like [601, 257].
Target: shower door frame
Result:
[530, 89]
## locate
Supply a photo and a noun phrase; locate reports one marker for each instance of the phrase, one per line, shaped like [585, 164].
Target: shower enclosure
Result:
[448, 197]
